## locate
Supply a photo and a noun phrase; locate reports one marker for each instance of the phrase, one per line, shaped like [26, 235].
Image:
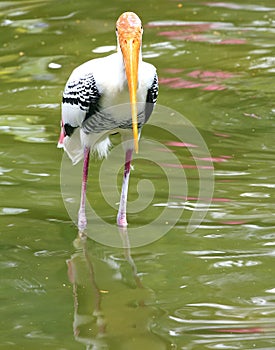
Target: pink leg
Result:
[82, 221]
[121, 216]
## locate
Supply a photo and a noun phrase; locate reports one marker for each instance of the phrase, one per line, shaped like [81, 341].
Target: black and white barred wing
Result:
[151, 98]
[80, 102]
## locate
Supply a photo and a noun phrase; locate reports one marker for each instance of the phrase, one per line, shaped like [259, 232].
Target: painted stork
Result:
[89, 95]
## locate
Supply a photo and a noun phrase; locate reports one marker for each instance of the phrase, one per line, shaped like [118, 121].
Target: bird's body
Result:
[101, 83]
[98, 100]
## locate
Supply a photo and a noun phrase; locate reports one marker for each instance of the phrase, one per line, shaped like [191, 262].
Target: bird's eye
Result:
[116, 29]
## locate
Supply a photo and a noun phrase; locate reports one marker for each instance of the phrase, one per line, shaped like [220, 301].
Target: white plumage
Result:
[111, 82]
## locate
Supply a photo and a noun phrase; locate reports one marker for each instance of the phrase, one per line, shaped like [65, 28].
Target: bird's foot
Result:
[80, 241]
[81, 236]
[121, 220]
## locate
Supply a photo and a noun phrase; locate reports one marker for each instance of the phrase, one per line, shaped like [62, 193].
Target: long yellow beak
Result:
[130, 48]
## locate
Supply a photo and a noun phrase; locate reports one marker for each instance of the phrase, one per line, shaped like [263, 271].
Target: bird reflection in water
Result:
[112, 308]
[89, 325]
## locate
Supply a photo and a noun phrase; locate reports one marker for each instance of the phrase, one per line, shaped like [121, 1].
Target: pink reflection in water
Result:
[202, 77]
[214, 87]
[189, 27]
[214, 159]
[178, 83]
[232, 42]
[221, 135]
[189, 35]
[180, 144]
[179, 35]
[210, 75]
[186, 198]
[234, 222]
[186, 166]
[246, 330]
[174, 70]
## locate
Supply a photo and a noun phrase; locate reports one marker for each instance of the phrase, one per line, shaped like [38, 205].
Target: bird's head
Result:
[129, 33]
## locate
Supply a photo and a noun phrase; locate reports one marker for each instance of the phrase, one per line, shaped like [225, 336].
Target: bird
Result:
[88, 113]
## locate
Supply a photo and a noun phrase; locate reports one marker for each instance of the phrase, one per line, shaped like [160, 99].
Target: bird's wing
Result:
[80, 101]
[151, 98]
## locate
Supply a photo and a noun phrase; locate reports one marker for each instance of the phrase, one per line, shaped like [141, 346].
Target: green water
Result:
[212, 288]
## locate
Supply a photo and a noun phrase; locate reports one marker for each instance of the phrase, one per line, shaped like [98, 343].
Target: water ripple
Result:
[12, 211]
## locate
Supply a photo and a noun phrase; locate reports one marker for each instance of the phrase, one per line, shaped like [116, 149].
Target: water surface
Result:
[213, 288]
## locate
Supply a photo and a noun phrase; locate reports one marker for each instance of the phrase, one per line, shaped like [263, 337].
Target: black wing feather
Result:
[151, 98]
[84, 94]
